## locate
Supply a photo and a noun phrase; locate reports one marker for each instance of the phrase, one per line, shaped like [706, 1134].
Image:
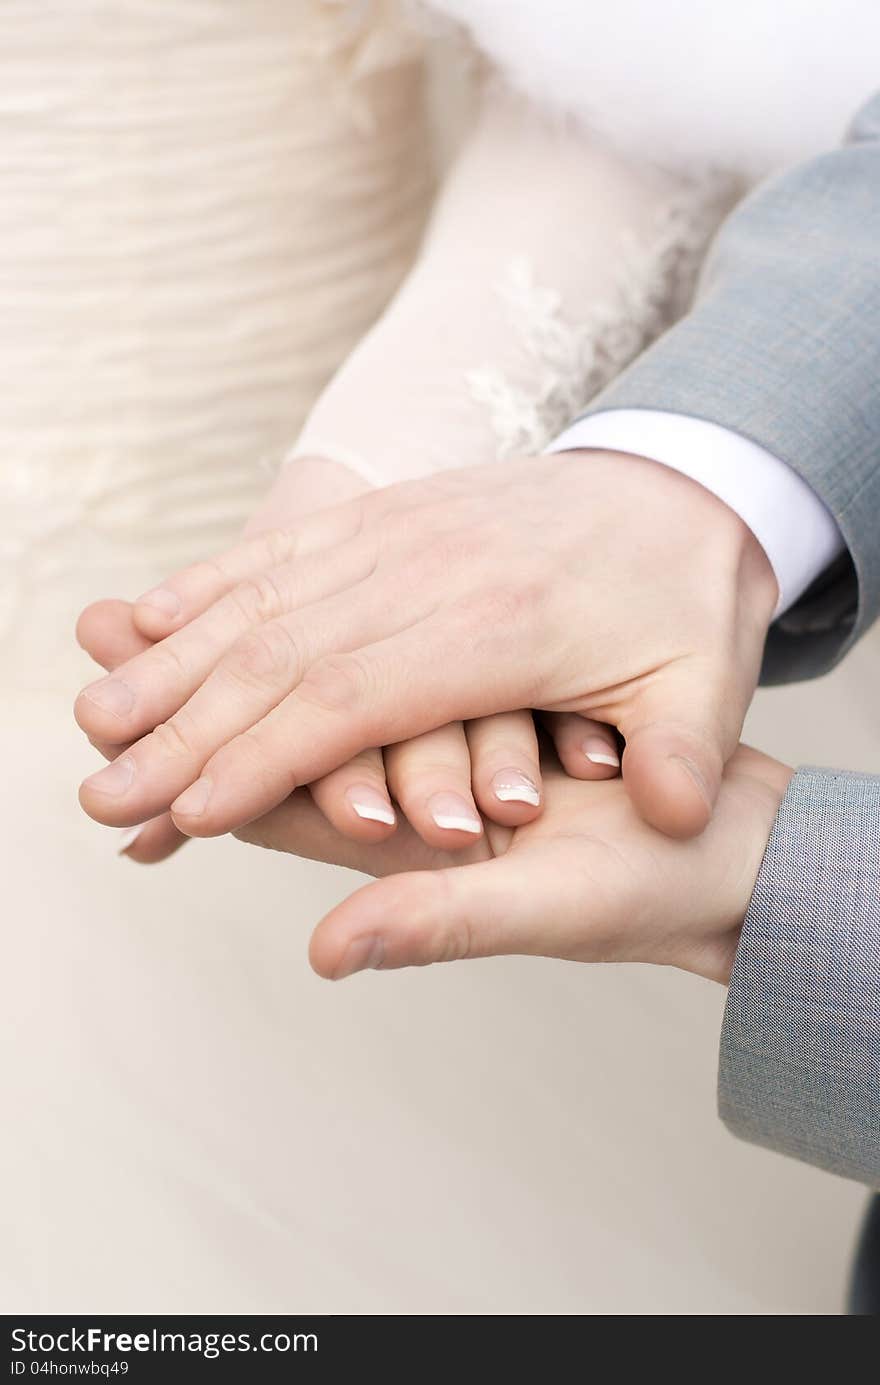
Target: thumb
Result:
[506, 905]
[679, 734]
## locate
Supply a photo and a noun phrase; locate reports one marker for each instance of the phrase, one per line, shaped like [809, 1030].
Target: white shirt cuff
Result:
[794, 527]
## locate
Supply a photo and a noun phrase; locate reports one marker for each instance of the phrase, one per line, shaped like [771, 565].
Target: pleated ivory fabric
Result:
[204, 207]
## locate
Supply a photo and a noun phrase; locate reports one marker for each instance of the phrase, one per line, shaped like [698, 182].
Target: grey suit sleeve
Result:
[783, 347]
[800, 1041]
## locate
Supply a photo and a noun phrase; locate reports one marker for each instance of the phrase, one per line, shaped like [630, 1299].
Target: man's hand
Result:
[439, 780]
[588, 881]
[594, 583]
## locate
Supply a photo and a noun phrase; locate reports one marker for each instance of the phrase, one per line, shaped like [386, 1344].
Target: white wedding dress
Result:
[206, 203]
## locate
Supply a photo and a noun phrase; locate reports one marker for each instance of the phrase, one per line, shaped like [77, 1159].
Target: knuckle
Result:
[415, 779]
[336, 683]
[434, 766]
[496, 615]
[257, 753]
[504, 605]
[394, 538]
[361, 509]
[370, 762]
[456, 550]
[167, 661]
[277, 545]
[431, 930]
[208, 572]
[367, 767]
[451, 937]
[174, 739]
[258, 598]
[268, 654]
[452, 942]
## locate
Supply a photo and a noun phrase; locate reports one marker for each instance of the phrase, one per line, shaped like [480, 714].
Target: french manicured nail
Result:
[364, 954]
[368, 803]
[512, 786]
[127, 839]
[113, 779]
[111, 695]
[454, 814]
[161, 599]
[599, 752]
[193, 800]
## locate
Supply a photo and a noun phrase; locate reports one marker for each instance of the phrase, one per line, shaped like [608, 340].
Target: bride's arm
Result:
[549, 262]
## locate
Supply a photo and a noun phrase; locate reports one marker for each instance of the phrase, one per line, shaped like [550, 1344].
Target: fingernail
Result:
[127, 839]
[454, 814]
[512, 786]
[111, 695]
[161, 599]
[364, 954]
[368, 803]
[193, 800]
[599, 752]
[115, 778]
[695, 775]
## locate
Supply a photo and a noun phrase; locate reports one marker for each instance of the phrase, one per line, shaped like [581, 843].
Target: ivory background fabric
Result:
[204, 207]
[749, 86]
[195, 1122]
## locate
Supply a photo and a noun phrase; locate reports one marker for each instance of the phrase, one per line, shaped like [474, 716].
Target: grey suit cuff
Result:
[800, 1042]
[781, 347]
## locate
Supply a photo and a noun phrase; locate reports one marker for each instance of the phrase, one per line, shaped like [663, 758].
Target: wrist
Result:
[757, 580]
[304, 485]
[760, 786]
[322, 477]
[683, 504]
[754, 787]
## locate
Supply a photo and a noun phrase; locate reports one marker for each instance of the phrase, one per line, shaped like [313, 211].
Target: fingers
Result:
[191, 591]
[679, 733]
[297, 825]
[378, 695]
[430, 777]
[531, 904]
[151, 687]
[439, 779]
[106, 631]
[505, 771]
[245, 685]
[355, 799]
[587, 749]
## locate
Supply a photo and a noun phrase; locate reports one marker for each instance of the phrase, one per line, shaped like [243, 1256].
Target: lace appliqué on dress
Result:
[570, 362]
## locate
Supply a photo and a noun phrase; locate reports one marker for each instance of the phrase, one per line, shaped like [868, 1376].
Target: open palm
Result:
[588, 881]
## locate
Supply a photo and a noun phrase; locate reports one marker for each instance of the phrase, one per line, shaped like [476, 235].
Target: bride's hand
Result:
[588, 881]
[446, 782]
